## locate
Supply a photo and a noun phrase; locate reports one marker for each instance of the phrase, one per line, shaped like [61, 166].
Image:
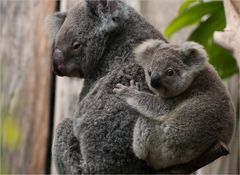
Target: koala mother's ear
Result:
[97, 7]
[110, 12]
[144, 52]
[54, 23]
[194, 55]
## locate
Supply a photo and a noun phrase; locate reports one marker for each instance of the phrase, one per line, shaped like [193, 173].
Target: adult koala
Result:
[94, 40]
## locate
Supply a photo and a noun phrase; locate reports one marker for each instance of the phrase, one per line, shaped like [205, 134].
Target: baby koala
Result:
[189, 110]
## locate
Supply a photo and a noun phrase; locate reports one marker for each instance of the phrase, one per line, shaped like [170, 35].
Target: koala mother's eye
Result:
[169, 72]
[75, 45]
[114, 19]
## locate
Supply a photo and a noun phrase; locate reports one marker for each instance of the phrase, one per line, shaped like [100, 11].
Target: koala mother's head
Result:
[79, 36]
[170, 69]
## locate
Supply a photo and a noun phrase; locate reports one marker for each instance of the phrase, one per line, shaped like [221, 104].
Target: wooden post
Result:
[25, 84]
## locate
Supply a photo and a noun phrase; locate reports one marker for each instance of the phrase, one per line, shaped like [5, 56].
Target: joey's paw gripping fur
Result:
[124, 91]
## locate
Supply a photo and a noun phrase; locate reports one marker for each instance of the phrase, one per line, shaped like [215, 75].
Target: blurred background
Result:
[33, 101]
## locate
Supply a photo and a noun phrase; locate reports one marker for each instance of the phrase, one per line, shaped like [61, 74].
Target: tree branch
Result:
[214, 152]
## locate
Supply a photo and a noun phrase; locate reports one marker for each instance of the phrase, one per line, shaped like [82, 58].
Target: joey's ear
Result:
[110, 12]
[144, 52]
[54, 23]
[194, 55]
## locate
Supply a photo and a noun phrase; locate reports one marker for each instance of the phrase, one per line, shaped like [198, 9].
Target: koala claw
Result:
[120, 86]
[134, 86]
[120, 89]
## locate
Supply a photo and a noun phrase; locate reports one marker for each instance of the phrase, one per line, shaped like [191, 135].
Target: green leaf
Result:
[222, 60]
[192, 15]
[218, 57]
[186, 4]
[205, 30]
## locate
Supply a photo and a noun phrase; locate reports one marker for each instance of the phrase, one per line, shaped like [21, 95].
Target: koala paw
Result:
[124, 91]
[121, 90]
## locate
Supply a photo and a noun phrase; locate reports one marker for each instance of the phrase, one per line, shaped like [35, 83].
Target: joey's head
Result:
[170, 69]
[79, 35]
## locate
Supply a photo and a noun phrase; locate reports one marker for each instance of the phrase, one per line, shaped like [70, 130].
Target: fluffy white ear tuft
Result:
[54, 23]
[144, 52]
[194, 55]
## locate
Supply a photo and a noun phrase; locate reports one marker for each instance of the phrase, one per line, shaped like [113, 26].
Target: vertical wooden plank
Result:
[25, 83]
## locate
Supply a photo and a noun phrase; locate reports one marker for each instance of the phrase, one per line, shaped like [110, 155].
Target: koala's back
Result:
[215, 101]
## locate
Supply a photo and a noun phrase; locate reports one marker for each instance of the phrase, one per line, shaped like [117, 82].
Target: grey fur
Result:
[103, 125]
[190, 110]
[54, 23]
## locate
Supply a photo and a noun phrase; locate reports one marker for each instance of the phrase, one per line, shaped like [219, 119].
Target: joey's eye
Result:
[169, 72]
[75, 45]
[149, 73]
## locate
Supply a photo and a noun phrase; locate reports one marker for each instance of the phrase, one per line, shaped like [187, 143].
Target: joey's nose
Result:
[58, 59]
[155, 80]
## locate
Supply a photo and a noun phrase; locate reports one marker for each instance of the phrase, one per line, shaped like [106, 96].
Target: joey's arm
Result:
[147, 104]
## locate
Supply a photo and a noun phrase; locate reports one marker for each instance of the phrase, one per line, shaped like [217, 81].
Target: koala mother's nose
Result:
[58, 58]
[155, 80]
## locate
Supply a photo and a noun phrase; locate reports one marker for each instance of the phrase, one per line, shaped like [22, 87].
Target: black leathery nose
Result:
[155, 80]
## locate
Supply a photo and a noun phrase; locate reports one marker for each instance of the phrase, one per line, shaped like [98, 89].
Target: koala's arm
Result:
[66, 151]
[148, 105]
